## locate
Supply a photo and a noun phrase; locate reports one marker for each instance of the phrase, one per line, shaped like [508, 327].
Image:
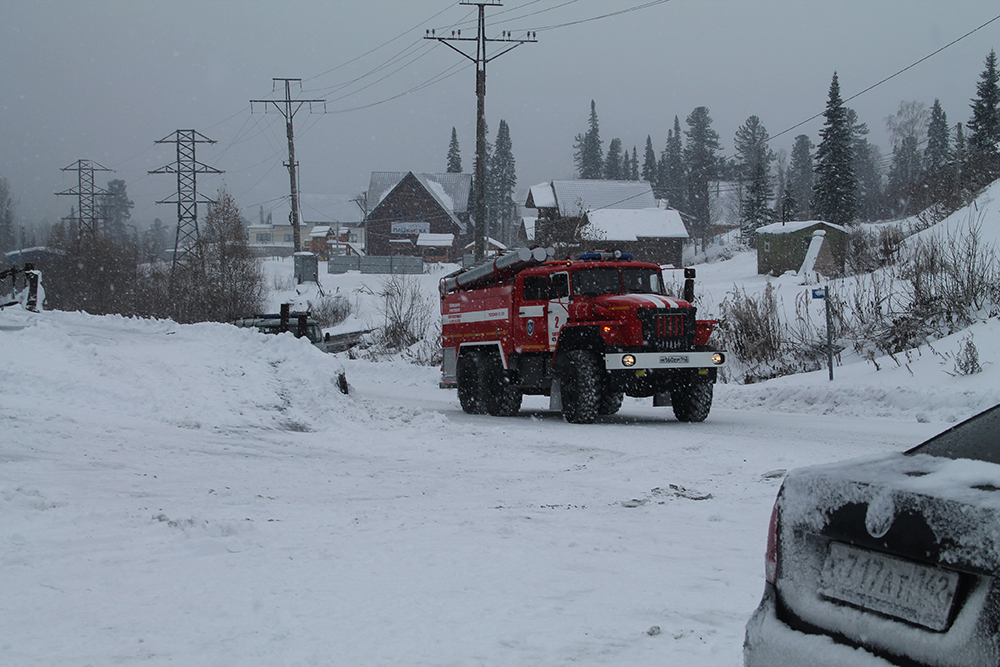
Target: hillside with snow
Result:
[205, 495]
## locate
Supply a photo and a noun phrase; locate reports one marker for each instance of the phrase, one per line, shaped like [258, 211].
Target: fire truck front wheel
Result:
[470, 376]
[692, 403]
[581, 387]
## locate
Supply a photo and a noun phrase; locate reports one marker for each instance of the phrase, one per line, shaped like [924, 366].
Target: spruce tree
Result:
[649, 163]
[673, 176]
[800, 178]
[983, 141]
[502, 179]
[116, 210]
[834, 198]
[937, 156]
[454, 154]
[700, 159]
[589, 156]
[753, 165]
[615, 163]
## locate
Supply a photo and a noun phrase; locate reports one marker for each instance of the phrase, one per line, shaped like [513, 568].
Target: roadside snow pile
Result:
[202, 376]
[924, 384]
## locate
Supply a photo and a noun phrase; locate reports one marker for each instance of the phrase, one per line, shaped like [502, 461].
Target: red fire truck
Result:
[584, 332]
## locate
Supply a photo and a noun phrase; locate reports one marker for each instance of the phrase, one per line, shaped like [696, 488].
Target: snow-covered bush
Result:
[967, 358]
[331, 310]
[407, 314]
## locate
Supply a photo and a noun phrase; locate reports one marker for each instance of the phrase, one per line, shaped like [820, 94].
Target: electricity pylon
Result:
[87, 213]
[187, 168]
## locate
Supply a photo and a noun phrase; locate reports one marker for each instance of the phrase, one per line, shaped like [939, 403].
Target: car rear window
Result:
[977, 438]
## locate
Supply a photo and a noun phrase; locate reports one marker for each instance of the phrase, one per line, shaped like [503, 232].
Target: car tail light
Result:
[771, 556]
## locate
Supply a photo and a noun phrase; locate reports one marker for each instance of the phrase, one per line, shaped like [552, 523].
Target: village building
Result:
[783, 246]
[405, 205]
[621, 215]
[338, 218]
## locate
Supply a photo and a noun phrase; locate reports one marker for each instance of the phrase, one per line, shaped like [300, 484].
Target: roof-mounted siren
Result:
[605, 256]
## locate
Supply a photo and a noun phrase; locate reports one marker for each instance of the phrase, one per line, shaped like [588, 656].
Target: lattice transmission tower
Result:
[88, 211]
[186, 168]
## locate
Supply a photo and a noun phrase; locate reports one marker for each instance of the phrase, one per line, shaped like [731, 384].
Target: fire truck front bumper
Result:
[626, 361]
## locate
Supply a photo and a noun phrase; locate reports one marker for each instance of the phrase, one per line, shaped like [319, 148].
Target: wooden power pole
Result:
[481, 59]
[288, 108]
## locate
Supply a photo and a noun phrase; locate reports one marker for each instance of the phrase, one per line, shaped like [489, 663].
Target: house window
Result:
[289, 238]
[263, 237]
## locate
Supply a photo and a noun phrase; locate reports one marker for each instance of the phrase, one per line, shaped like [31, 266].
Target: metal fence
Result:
[375, 264]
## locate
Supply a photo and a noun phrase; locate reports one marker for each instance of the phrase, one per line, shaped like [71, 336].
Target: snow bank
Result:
[202, 376]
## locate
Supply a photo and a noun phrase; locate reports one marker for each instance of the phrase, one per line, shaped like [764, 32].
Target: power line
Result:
[894, 75]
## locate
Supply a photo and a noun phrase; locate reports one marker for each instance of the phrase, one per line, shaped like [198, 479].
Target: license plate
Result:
[910, 591]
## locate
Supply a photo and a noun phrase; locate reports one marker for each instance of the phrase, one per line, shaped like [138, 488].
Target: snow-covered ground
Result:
[204, 495]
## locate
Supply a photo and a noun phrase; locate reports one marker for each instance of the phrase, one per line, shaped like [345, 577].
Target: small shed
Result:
[436, 247]
[782, 247]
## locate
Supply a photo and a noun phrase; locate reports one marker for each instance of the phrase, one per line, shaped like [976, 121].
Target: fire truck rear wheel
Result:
[692, 403]
[469, 376]
[581, 387]
[502, 399]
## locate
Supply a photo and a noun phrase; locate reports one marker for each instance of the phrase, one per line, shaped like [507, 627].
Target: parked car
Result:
[889, 560]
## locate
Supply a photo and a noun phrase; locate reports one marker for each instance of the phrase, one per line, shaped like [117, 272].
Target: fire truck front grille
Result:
[667, 329]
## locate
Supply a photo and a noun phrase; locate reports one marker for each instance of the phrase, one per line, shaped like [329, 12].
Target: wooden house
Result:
[405, 205]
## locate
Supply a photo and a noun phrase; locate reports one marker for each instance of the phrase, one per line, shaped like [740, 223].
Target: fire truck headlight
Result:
[628, 360]
[718, 358]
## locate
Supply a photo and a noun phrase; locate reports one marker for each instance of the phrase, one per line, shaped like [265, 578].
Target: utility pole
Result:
[87, 215]
[481, 59]
[288, 108]
[187, 169]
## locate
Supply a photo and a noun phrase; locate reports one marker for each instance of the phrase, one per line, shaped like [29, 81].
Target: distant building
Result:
[272, 233]
[575, 214]
[404, 205]
[782, 246]
[649, 234]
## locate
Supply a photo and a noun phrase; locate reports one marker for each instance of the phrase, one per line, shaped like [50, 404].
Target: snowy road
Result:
[157, 507]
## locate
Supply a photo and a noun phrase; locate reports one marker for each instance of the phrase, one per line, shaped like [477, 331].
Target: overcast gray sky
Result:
[103, 80]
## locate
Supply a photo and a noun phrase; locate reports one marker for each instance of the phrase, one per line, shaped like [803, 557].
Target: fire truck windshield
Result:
[642, 281]
[594, 282]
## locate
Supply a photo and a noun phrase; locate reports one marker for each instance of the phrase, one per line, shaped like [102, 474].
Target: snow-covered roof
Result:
[574, 197]
[320, 230]
[629, 225]
[490, 243]
[529, 226]
[435, 240]
[541, 196]
[795, 226]
[451, 190]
